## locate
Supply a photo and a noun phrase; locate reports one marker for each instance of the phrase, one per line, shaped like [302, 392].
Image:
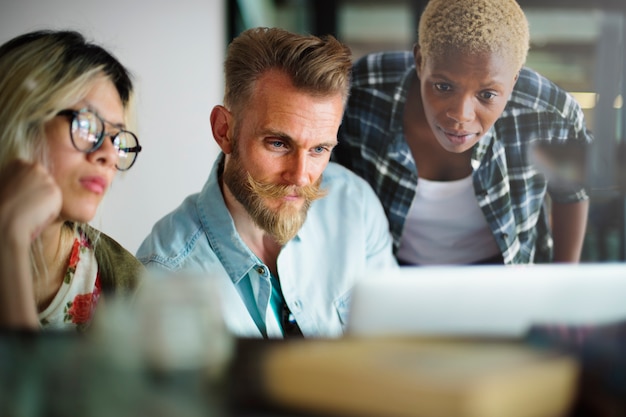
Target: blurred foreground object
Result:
[407, 378]
[162, 353]
[178, 324]
[601, 353]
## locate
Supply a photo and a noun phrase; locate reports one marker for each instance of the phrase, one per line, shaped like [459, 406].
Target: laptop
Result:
[489, 300]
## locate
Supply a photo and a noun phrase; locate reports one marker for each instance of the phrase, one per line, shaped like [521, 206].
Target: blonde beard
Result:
[283, 223]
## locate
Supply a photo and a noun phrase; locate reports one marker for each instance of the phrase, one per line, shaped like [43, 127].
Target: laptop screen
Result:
[490, 300]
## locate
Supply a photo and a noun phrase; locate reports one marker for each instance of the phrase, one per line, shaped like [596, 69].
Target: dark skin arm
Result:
[569, 223]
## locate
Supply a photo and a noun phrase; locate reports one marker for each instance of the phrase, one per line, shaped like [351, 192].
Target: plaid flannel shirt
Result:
[509, 189]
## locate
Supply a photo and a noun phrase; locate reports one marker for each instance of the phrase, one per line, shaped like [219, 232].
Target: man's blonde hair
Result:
[474, 26]
[317, 65]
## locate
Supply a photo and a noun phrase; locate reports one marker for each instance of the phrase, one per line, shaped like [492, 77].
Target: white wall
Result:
[175, 50]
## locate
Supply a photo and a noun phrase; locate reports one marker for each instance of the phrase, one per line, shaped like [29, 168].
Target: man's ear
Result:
[222, 128]
[417, 57]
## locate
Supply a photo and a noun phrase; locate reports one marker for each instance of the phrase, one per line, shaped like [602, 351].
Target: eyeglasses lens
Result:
[87, 131]
[126, 144]
[88, 134]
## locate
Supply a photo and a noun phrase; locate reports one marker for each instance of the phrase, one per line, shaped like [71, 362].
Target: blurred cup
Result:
[180, 324]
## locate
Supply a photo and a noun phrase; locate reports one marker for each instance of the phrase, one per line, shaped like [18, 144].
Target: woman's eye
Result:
[442, 87]
[488, 95]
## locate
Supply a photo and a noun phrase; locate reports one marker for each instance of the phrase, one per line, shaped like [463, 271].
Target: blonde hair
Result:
[42, 73]
[474, 26]
[318, 65]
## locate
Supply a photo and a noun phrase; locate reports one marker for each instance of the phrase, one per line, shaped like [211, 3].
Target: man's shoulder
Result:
[351, 216]
[184, 214]
[342, 182]
[337, 173]
[173, 233]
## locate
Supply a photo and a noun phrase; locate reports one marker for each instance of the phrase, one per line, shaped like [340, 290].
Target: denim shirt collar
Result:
[219, 227]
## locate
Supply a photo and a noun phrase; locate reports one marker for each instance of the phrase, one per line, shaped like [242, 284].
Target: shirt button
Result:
[297, 304]
[260, 270]
[505, 236]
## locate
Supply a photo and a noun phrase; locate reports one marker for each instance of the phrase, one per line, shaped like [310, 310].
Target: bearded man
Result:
[283, 232]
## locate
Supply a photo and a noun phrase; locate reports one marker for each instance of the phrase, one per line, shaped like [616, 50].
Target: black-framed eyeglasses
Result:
[88, 131]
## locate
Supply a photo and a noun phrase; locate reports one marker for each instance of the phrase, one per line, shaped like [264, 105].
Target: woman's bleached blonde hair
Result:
[42, 73]
[474, 27]
[317, 65]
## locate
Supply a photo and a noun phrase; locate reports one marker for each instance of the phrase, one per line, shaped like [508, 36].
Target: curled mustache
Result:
[274, 191]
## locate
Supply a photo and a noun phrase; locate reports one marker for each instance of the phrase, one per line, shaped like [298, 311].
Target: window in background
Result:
[376, 26]
[581, 50]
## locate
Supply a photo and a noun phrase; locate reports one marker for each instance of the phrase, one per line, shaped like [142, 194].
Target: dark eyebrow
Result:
[287, 138]
[330, 144]
[440, 77]
[276, 133]
[120, 126]
[493, 84]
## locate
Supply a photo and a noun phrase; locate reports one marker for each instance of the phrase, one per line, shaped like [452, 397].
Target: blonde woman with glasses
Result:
[64, 106]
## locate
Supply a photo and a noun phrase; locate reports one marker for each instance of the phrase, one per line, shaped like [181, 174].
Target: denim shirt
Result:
[345, 236]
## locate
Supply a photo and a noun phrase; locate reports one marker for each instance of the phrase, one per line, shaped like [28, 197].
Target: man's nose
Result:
[295, 172]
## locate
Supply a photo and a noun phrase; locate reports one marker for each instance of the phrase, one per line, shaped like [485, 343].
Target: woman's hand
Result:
[30, 200]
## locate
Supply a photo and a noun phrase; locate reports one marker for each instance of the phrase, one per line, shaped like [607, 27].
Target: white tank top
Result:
[446, 226]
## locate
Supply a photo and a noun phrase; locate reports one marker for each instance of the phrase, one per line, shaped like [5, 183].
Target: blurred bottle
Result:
[165, 351]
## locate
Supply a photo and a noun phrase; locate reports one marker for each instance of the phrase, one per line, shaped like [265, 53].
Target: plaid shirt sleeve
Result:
[510, 189]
